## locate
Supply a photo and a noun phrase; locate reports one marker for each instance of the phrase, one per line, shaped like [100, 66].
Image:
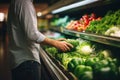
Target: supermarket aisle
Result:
[4, 71]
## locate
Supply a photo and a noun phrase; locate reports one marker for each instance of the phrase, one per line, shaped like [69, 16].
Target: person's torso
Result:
[20, 47]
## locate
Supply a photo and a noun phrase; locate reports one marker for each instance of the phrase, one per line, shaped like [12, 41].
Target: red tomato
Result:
[93, 16]
[85, 16]
[86, 21]
[99, 18]
[75, 28]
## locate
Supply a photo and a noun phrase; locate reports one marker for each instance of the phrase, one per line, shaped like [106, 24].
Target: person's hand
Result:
[63, 45]
[61, 39]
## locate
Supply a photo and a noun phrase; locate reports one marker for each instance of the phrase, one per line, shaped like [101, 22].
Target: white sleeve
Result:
[28, 20]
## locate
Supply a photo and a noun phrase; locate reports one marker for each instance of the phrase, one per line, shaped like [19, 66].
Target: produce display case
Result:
[56, 69]
[113, 41]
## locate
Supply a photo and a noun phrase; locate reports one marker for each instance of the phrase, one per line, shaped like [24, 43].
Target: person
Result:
[25, 39]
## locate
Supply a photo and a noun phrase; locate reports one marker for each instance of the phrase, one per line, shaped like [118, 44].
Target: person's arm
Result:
[29, 21]
[62, 45]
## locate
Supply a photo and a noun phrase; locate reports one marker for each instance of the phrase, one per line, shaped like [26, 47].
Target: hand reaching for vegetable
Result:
[61, 45]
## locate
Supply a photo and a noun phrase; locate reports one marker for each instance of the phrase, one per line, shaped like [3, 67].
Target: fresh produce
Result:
[106, 73]
[104, 54]
[91, 61]
[113, 31]
[82, 24]
[60, 22]
[106, 69]
[95, 63]
[84, 72]
[66, 58]
[119, 73]
[105, 25]
[88, 75]
[52, 51]
[73, 63]
[75, 43]
[59, 56]
[85, 48]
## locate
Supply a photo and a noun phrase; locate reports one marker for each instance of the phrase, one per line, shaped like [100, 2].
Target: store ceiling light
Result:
[2, 16]
[74, 5]
[39, 14]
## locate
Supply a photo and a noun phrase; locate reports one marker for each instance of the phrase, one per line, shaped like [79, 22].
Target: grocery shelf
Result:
[83, 4]
[57, 5]
[74, 5]
[56, 70]
[112, 41]
[64, 3]
[57, 29]
[109, 40]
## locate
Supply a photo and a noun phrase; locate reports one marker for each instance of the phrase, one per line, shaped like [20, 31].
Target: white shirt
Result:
[24, 37]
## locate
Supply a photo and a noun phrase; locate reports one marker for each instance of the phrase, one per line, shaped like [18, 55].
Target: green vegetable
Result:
[91, 61]
[106, 73]
[59, 56]
[100, 27]
[102, 63]
[52, 51]
[66, 61]
[83, 72]
[106, 69]
[104, 54]
[85, 48]
[113, 31]
[119, 73]
[73, 63]
[88, 75]
[74, 42]
[79, 70]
